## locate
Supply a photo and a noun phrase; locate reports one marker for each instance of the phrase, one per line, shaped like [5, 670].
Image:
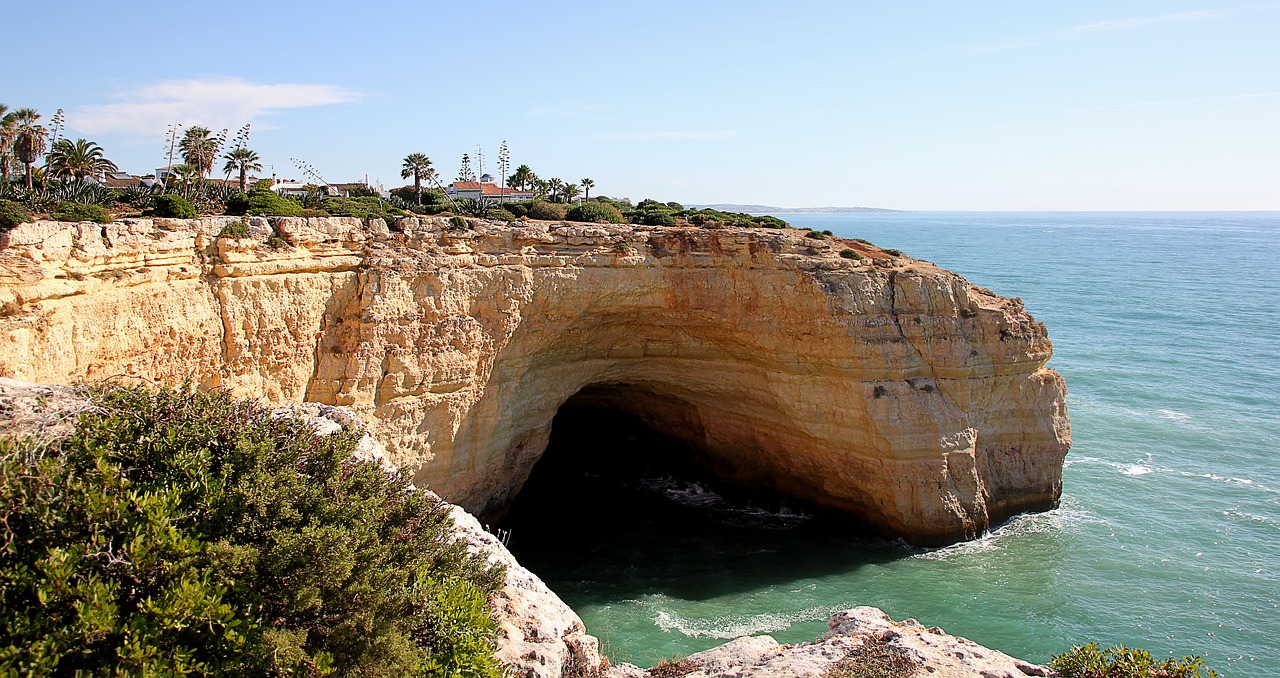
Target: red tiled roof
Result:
[485, 188]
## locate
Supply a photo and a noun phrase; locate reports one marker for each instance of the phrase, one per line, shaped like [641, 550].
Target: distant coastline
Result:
[766, 209]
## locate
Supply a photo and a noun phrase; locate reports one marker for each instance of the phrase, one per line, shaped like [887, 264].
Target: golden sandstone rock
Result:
[882, 386]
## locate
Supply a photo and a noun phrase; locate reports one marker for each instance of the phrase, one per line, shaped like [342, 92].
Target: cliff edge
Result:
[875, 384]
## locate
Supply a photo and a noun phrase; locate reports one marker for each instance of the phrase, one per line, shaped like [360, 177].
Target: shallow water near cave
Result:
[1167, 329]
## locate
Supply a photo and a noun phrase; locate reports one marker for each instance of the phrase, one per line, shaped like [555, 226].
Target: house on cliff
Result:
[485, 188]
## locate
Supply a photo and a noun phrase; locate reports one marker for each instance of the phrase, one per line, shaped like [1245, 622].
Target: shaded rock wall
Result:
[883, 386]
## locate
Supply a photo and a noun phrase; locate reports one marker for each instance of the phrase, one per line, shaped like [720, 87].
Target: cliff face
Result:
[882, 386]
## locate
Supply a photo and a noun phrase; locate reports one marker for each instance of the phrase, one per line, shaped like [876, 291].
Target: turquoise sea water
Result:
[1167, 329]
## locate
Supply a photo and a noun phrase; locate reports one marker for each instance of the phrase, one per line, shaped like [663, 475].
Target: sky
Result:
[978, 105]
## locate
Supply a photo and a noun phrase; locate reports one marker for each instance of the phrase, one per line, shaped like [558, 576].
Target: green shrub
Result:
[459, 223]
[314, 213]
[364, 208]
[235, 229]
[827, 232]
[72, 211]
[893, 253]
[501, 214]
[1088, 661]
[672, 667]
[815, 235]
[174, 207]
[260, 203]
[547, 211]
[275, 242]
[658, 219]
[595, 212]
[12, 214]
[519, 209]
[768, 221]
[182, 532]
[850, 254]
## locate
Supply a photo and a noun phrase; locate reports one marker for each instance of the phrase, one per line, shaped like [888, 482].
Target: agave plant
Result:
[476, 207]
[82, 192]
[139, 196]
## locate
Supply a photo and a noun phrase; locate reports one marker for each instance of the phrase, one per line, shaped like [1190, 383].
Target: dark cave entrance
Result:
[616, 507]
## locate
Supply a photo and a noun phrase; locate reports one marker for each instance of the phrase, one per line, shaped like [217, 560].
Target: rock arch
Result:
[879, 385]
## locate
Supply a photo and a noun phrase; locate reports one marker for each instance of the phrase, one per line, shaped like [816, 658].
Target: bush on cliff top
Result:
[189, 533]
[174, 207]
[73, 211]
[1089, 661]
[263, 203]
[595, 212]
[547, 211]
[12, 214]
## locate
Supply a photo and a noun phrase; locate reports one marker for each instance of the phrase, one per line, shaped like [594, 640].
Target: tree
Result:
[587, 185]
[504, 162]
[28, 138]
[465, 173]
[187, 175]
[554, 187]
[199, 149]
[243, 160]
[6, 141]
[522, 178]
[78, 159]
[571, 192]
[417, 165]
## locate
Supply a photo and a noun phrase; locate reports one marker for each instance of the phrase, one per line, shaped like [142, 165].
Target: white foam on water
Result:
[1062, 519]
[1174, 415]
[729, 626]
[1136, 470]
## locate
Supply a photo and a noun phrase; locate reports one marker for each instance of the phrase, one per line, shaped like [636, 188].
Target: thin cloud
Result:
[654, 136]
[215, 103]
[1143, 22]
[1112, 25]
[1163, 102]
[567, 110]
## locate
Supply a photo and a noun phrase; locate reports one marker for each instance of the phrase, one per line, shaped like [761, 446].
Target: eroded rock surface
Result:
[879, 385]
[932, 652]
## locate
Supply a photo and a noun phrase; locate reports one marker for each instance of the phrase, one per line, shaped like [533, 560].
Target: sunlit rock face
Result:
[877, 385]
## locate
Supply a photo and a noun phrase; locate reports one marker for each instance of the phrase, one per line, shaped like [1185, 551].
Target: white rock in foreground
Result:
[938, 654]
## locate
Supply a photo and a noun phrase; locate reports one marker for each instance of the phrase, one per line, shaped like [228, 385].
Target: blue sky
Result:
[915, 105]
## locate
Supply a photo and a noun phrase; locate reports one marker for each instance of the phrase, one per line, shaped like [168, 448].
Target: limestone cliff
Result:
[880, 385]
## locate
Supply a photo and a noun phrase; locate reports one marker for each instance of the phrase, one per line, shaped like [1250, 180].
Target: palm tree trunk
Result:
[28, 165]
[417, 188]
[244, 177]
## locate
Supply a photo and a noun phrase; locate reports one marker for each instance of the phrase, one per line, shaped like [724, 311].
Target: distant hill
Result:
[766, 209]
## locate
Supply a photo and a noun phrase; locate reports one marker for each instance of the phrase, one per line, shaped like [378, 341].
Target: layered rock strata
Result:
[879, 385]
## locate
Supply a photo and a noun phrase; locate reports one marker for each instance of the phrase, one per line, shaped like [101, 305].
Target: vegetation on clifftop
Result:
[180, 532]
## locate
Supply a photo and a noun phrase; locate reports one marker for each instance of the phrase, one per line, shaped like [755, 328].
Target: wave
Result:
[1066, 517]
[1141, 469]
[696, 495]
[729, 626]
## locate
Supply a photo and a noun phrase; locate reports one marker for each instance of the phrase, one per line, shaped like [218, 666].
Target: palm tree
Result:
[540, 187]
[78, 159]
[28, 138]
[522, 177]
[587, 185]
[417, 165]
[6, 142]
[571, 192]
[554, 186]
[199, 149]
[241, 159]
[186, 176]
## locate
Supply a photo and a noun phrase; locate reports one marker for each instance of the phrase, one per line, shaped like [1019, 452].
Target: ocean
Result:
[1166, 327]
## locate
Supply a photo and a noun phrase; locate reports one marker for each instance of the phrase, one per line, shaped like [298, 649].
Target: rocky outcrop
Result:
[862, 634]
[879, 385]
